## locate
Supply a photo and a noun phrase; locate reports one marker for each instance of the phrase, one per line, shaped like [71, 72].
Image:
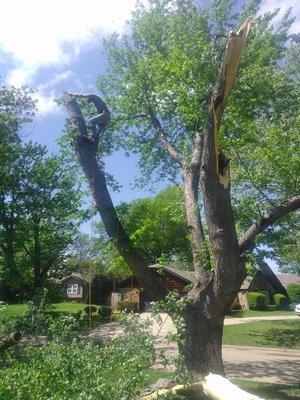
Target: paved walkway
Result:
[255, 363]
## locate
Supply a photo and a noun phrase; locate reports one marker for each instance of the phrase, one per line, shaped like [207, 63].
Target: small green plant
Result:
[128, 306]
[104, 312]
[281, 301]
[256, 301]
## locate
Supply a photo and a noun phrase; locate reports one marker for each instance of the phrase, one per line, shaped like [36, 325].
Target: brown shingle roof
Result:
[287, 279]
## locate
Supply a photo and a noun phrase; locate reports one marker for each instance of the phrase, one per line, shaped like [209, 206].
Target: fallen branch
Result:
[10, 341]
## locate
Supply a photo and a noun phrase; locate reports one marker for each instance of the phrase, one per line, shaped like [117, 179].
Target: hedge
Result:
[88, 308]
[281, 301]
[104, 312]
[128, 306]
[256, 301]
[293, 290]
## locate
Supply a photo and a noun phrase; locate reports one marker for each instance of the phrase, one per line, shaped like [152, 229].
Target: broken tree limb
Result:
[214, 386]
[228, 274]
[231, 60]
[86, 153]
[219, 388]
[10, 341]
[289, 205]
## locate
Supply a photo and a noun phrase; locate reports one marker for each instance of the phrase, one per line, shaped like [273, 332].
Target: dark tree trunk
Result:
[95, 176]
[202, 344]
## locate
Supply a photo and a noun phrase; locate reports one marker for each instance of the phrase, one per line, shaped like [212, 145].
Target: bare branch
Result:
[197, 151]
[163, 140]
[268, 219]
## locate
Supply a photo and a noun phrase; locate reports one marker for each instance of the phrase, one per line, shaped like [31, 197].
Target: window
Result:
[73, 288]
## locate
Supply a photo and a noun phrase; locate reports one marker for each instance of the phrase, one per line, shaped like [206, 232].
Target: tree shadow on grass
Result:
[287, 338]
[273, 391]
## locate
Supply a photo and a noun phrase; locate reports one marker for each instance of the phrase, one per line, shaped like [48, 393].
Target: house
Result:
[264, 280]
[76, 286]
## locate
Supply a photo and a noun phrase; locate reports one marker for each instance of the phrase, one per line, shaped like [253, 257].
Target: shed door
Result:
[115, 298]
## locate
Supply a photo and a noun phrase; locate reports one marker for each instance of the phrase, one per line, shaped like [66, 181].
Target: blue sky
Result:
[54, 45]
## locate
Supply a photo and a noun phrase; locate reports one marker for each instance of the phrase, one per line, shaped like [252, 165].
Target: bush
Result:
[271, 307]
[128, 306]
[104, 312]
[293, 290]
[89, 309]
[281, 302]
[256, 301]
[79, 370]
[56, 292]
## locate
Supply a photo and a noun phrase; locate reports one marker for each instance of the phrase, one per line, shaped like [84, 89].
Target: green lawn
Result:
[282, 334]
[254, 313]
[17, 310]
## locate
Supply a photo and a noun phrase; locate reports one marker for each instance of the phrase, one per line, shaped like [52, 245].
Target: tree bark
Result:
[202, 342]
[266, 220]
[10, 340]
[86, 153]
[200, 252]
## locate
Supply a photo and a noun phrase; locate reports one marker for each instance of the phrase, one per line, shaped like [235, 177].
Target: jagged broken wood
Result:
[215, 387]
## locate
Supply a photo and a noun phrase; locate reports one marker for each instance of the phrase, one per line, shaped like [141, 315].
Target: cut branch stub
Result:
[75, 114]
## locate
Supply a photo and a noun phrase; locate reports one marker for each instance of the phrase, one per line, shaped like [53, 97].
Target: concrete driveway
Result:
[253, 363]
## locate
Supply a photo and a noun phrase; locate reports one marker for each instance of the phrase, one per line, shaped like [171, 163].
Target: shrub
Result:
[56, 292]
[89, 309]
[281, 302]
[293, 290]
[256, 301]
[104, 312]
[128, 306]
[79, 370]
[271, 307]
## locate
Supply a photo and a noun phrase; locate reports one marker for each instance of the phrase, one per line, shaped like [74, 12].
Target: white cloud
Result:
[35, 31]
[46, 104]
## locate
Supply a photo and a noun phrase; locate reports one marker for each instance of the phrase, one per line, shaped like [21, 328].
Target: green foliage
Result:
[293, 290]
[128, 306]
[90, 309]
[79, 370]
[55, 291]
[104, 312]
[157, 226]
[256, 301]
[282, 302]
[39, 201]
[166, 64]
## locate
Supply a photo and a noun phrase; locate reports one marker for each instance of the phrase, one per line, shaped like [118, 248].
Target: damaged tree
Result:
[206, 171]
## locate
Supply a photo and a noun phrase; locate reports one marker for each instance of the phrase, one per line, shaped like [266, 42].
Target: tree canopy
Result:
[164, 68]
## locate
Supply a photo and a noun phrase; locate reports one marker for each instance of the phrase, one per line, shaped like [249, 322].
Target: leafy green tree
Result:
[158, 227]
[39, 204]
[168, 93]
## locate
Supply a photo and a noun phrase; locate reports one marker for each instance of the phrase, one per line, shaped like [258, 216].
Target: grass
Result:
[254, 313]
[17, 310]
[269, 391]
[281, 334]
